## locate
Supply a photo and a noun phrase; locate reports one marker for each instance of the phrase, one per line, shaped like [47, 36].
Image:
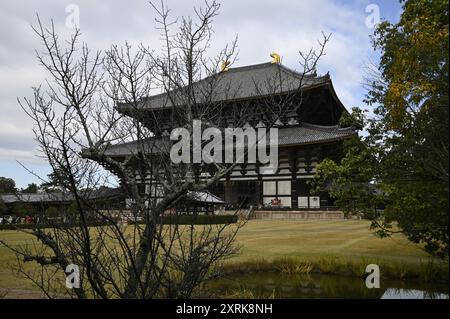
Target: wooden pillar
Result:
[293, 167]
[228, 190]
[259, 186]
[308, 169]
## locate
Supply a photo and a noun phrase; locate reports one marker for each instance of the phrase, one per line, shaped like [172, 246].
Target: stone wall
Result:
[296, 215]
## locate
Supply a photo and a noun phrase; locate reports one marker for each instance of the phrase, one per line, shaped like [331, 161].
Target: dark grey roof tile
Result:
[238, 83]
[304, 134]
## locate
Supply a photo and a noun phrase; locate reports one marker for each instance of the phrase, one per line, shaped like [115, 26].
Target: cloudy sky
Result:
[262, 26]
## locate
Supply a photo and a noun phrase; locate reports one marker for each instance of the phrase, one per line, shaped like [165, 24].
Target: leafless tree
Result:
[94, 100]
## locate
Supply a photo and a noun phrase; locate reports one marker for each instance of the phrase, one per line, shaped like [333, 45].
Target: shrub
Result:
[199, 219]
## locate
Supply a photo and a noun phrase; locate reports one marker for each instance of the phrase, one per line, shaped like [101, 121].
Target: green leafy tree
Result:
[57, 180]
[3, 208]
[30, 189]
[396, 173]
[7, 185]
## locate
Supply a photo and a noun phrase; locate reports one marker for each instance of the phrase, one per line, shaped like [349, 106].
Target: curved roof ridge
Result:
[266, 64]
[326, 127]
[312, 125]
[241, 82]
[287, 69]
[247, 67]
[305, 75]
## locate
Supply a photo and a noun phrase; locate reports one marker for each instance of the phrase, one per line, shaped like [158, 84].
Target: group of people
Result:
[16, 220]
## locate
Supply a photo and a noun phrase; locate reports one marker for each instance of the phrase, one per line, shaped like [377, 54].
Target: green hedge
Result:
[179, 220]
[199, 219]
[33, 226]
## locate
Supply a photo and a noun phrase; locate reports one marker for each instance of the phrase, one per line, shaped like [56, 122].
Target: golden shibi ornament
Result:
[224, 66]
[276, 58]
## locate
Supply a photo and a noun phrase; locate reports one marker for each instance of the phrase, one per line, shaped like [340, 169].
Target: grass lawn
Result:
[313, 240]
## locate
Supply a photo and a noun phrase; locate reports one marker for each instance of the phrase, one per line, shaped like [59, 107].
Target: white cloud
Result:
[262, 26]
[26, 157]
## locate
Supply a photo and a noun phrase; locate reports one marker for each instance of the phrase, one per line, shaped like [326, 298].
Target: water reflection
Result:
[393, 293]
[267, 285]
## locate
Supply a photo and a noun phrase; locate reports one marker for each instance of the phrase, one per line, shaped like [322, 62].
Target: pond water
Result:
[278, 285]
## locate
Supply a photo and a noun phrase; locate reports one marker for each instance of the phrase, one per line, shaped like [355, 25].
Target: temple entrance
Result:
[241, 194]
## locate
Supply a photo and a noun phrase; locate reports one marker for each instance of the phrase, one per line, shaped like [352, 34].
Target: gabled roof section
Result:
[311, 134]
[58, 197]
[204, 197]
[36, 197]
[288, 136]
[245, 82]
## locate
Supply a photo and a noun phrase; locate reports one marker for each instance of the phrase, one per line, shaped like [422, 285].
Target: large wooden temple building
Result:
[308, 131]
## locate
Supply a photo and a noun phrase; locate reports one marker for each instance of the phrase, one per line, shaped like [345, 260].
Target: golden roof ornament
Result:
[224, 66]
[276, 58]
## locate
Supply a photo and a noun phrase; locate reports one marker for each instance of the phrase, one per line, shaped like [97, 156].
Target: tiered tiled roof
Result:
[287, 136]
[239, 83]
